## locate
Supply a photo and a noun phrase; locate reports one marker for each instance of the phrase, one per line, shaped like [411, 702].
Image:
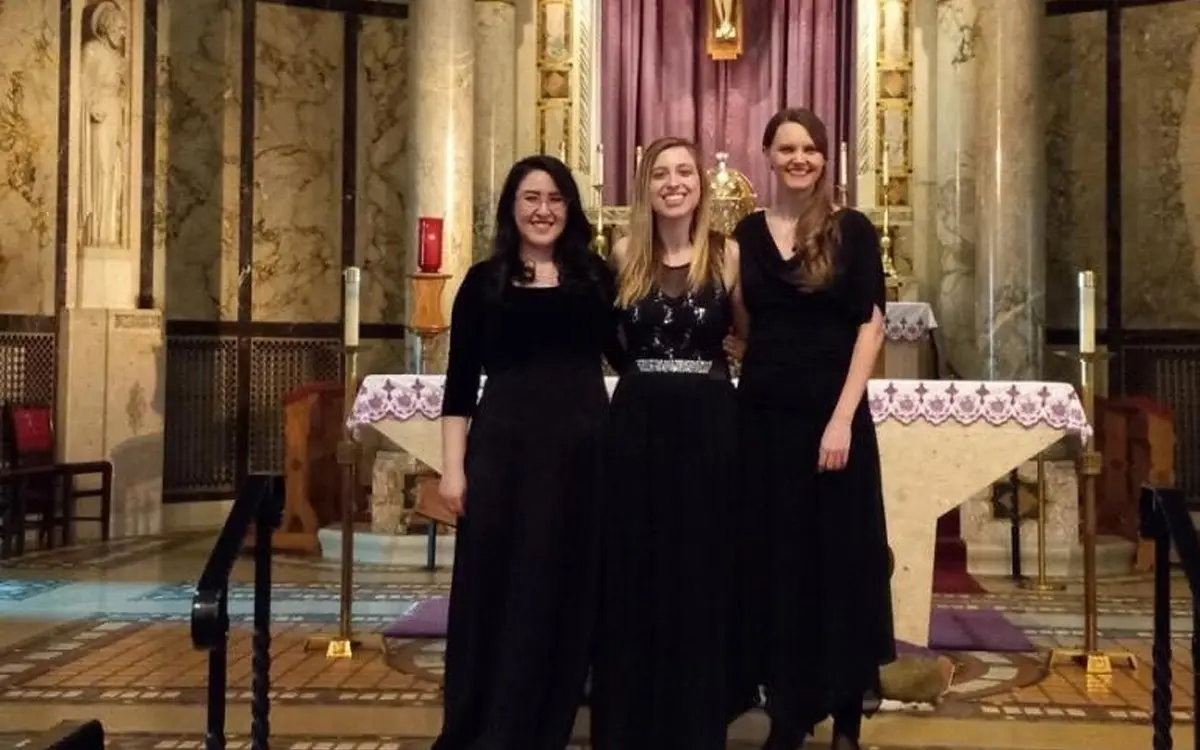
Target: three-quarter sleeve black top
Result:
[498, 329]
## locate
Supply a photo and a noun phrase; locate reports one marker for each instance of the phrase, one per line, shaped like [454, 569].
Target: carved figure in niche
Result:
[103, 87]
[725, 11]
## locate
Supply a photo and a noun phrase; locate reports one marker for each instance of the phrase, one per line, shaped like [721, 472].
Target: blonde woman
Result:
[660, 679]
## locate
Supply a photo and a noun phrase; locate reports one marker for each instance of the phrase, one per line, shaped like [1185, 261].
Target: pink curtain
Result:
[658, 80]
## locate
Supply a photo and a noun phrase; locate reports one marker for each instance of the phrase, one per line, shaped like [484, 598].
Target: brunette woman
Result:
[660, 678]
[814, 288]
[523, 478]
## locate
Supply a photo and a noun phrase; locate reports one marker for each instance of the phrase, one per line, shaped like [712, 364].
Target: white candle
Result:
[353, 284]
[1087, 312]
[885, 169]
[843, 165]
[599, 164]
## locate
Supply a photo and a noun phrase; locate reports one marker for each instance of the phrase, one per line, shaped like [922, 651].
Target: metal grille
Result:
[1171, 375]
[27, 374]
[276, 367]
[201, 415]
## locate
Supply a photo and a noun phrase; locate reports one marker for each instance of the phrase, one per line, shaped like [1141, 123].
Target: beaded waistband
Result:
[680, 366]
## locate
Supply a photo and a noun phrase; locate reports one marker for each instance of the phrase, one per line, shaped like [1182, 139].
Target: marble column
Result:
[954, 177]
[441, 136]
[495, 110]
[1010, 186]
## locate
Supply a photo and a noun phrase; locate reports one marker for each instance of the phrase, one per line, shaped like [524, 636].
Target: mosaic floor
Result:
[101, 631]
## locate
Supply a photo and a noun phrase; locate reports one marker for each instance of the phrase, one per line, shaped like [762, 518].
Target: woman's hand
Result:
[835, 446]
[735, 348]
[453, 489]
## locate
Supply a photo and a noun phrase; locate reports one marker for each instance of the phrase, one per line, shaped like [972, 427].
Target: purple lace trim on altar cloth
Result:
[1028, 403]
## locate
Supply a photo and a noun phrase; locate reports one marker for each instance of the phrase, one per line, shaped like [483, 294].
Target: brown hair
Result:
[817, 234]
[636, 272]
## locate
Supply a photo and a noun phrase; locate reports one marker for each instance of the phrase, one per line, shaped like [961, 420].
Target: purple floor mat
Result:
[950, 629]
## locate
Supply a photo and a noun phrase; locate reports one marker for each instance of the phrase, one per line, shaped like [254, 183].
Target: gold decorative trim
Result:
[554, 29]
[893, 101]
[513, 3]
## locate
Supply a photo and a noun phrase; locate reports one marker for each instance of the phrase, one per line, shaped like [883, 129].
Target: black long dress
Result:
[523, 597]
[660, 679]
[822, 585]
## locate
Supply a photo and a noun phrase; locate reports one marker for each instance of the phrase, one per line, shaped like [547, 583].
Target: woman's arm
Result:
[615, 352]
[862, 363]
[733, 282]
[870, 299]
[463, 373]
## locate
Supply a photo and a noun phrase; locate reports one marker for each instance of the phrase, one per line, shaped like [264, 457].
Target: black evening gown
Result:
[523, 597]
[659, 679]
[820, 584]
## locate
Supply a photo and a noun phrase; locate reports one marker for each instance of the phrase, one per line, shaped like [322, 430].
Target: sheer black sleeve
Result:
[615, 352]
[467, 336]
[865, 282]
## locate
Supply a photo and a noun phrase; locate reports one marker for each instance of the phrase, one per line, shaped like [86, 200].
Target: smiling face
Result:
[794, 157]
[674, 183]
[540, 210]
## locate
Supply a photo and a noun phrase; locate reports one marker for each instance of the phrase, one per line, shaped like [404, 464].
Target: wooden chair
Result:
[52, 495]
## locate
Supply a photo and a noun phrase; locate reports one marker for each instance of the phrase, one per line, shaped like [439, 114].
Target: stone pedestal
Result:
[989, 538]
[111, 395]
[107, 278]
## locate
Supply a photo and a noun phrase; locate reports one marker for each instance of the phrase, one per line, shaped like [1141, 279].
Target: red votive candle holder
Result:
[429, 244]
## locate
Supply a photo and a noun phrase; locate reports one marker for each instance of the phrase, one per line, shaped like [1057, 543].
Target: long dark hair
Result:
[817, 235]
[572, 250]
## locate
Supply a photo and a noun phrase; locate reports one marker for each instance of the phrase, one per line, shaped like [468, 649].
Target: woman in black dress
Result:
[813, 285]
[534, 318]
[660, 680]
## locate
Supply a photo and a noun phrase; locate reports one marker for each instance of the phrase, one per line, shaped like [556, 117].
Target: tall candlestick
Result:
[843, 166]
[1087, 312]
[885, 170]
[353, 287]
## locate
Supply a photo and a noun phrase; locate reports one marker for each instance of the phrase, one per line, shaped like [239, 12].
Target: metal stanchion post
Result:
[1041, 584]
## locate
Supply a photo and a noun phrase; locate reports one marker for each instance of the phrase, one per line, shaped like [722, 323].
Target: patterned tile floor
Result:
[101, 630]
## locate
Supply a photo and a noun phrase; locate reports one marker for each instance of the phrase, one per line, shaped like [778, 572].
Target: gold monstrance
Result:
[732, 196]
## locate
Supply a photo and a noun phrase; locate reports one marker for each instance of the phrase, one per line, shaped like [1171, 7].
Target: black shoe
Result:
[784, 740]
[842, 742]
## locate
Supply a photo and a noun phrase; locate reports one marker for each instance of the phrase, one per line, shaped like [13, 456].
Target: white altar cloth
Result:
[941, 441]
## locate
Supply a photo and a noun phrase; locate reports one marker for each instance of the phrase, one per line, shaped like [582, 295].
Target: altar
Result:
[940, 443]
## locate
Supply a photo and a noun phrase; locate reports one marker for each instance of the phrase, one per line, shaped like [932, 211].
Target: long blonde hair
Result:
[817, 228]
[635, 276]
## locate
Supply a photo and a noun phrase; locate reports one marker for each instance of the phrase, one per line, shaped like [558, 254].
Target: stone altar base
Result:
[378, 548]
[111, 398]
[989, 539]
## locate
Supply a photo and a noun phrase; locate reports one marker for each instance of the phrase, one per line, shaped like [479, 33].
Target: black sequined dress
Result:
[660, 680]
